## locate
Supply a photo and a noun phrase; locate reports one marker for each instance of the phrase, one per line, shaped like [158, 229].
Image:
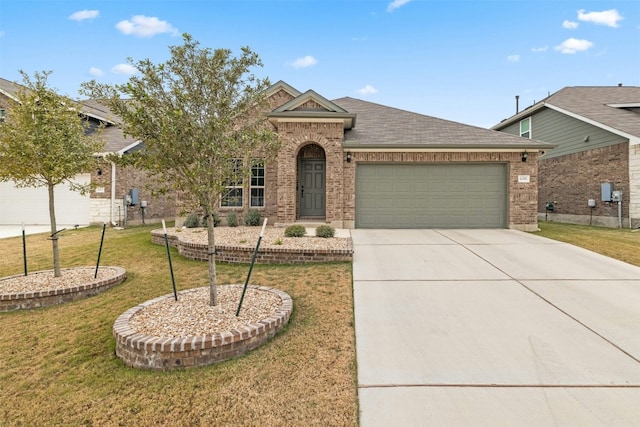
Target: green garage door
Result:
[431, 196]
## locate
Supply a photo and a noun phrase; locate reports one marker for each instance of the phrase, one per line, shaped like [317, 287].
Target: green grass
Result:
[58, 367]
[619, 243]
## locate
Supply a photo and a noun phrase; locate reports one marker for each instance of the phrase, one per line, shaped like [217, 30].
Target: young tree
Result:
[200, 117]
[45, 142]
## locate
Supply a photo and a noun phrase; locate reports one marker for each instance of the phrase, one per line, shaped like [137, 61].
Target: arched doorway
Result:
[312, 188]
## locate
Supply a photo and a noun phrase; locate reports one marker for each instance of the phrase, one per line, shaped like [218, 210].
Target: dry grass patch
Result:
[58, 367]
[619, 243]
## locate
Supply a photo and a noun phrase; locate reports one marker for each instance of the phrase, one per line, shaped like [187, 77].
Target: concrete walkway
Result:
[493, 328]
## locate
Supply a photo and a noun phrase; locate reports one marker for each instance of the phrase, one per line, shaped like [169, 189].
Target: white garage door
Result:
[470, 195]
[31, 205]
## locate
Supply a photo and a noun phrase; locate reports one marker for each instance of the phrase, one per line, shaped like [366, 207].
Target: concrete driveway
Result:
[495, 328]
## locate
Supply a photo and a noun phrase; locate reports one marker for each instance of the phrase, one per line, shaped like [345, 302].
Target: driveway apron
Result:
[495, 328]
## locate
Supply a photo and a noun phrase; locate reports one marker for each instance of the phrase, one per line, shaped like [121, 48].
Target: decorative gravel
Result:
[248, 237]
[45, 280]
[192, 315]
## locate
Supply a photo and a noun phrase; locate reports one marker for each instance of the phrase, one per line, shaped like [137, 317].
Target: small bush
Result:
[191, 221]
[278, 241]
[232, 219]
[216, 220]
[325, 231]
[295, 231]
[252, 217]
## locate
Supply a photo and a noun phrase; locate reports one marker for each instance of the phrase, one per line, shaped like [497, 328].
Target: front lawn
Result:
[618, 243]
[57, 365]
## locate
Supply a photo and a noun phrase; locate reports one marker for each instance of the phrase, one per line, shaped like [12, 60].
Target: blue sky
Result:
[461, 60]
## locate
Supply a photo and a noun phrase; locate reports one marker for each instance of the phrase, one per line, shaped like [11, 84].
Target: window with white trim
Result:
[257, 184]
[232, 195]
[525, 128]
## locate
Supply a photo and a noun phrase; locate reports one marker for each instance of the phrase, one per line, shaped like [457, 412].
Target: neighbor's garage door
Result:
[431, 196]
[31, 205]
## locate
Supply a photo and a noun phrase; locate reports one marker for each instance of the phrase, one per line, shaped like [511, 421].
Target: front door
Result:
[312, 191]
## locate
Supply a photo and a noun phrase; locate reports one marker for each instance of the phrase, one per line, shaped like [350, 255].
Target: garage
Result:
[470, 195]
[31, 205]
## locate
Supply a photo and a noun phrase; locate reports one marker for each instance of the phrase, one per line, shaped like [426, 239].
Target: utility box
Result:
[134, 196]
[591, 203]
[616, 196]
[606, 188]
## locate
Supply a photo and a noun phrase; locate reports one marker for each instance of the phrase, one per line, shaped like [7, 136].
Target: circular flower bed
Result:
[42, 289]
[164, 334]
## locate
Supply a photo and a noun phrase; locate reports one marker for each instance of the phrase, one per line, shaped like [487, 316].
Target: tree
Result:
[199, 116]
[45, 142]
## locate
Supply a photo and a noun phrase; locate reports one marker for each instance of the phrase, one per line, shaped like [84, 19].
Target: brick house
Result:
[356, 164]
[596, 131]
[107, 203]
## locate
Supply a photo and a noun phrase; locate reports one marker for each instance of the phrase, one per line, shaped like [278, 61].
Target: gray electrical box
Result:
[606, 190]
[134, 196]
[616, 196]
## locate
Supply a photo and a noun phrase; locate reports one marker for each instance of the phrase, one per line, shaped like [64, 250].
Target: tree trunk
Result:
[213, 295]
[54, 236]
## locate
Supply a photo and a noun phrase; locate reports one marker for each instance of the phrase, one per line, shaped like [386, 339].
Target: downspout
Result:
[113, 194]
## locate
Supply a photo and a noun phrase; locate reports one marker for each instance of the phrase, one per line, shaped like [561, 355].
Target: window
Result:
[525, 128]
[257, 184]
[232, 196]
[1, 115]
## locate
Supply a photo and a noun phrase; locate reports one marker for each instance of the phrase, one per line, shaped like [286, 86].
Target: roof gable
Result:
[310, 106]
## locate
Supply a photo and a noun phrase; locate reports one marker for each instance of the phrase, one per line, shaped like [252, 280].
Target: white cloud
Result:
[571, 46]
[609, 17]
[145, 26]
[367, 90]
[124, 69]
[95, 71]
[570, 25]
[395, 4]
[540, 49]
[513, 58]
[82, 15]
[304, 62]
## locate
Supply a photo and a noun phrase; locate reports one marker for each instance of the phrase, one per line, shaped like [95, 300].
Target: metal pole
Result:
[104, 226]
[253, 260]
[166, 244]
[24, 249]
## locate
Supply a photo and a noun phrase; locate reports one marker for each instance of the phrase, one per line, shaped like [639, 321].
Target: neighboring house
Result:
[596, 131]
[107, 203]
[356, 164]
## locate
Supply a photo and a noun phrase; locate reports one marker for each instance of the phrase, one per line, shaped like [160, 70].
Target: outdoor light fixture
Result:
[524, 156]
[348, 156]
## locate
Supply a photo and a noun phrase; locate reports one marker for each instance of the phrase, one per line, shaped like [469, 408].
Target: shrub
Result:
[191, 221]
[216, 220]
[278, 241]
[325, 231]
[295, 231]
[252, 217]
[232, 219]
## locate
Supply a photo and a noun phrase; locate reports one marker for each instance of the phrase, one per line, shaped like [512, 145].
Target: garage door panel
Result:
[431, 196]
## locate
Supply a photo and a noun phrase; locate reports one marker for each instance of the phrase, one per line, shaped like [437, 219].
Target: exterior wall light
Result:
[348, 156]
[524, 156]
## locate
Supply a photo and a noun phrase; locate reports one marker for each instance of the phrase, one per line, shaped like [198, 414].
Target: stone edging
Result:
[46, 298]
[243, 255]
[138, 350]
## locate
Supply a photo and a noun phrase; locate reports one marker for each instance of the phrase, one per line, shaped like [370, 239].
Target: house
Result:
[118, 194]
[355, 164]
[593, 174]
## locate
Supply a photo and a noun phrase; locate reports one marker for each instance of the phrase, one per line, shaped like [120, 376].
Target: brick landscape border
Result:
[46, 298]
[138, 350]
[243, 255]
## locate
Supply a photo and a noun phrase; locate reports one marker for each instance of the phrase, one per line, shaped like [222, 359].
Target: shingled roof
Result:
[379, 126]
[614, 108]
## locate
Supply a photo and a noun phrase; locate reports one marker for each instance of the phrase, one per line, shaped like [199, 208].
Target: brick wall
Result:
[573, 179]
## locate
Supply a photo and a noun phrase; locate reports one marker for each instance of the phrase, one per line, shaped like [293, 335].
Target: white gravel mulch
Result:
[192, 315]
[45, 280]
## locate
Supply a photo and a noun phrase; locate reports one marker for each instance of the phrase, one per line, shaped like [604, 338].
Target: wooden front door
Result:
[312, 191]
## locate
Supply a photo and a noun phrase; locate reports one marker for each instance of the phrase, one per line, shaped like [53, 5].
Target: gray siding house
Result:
[592, 176]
